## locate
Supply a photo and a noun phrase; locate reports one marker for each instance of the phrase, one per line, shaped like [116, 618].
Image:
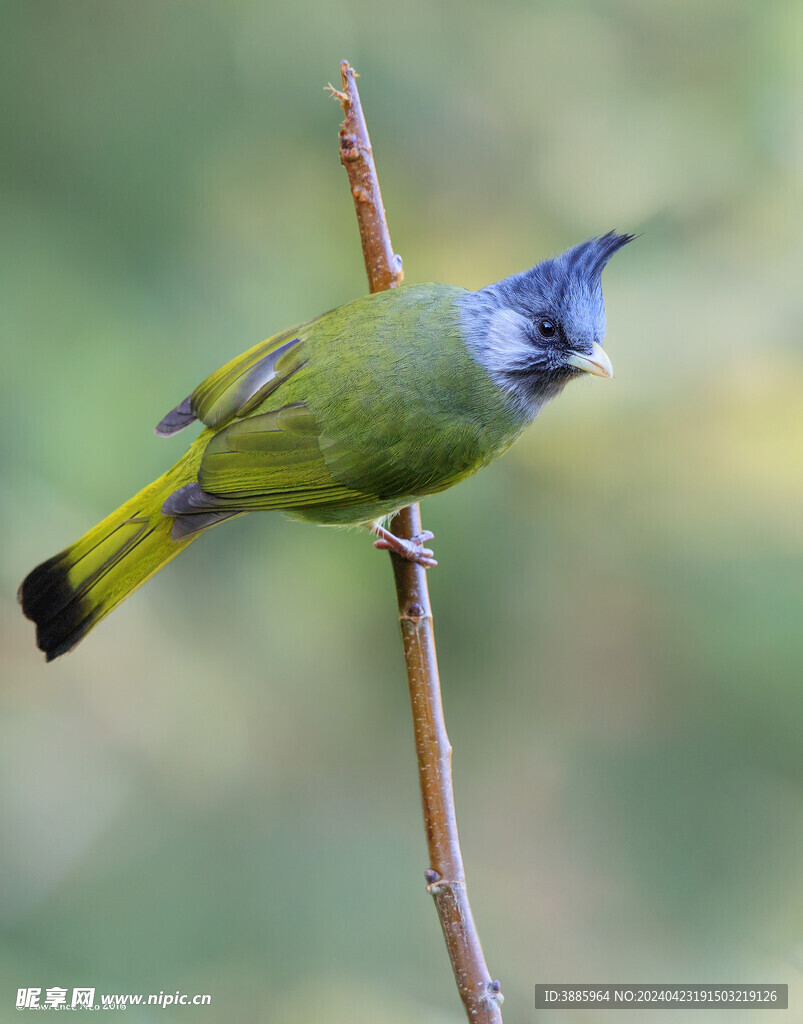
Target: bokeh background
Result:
[216, 793]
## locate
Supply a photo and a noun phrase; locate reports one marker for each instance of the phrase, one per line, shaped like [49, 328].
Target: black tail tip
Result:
[50, 602]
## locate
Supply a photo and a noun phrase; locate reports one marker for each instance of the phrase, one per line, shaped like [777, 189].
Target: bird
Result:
[344, 420]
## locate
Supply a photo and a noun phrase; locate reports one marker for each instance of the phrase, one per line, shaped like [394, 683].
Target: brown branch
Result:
[382, 265]
[445, 877]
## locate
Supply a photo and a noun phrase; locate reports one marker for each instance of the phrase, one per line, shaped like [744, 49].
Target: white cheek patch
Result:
[501, 341]
[507, 348]
[507, 344]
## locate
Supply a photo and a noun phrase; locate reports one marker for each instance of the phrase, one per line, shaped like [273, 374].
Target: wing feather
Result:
[238, 387]
[270, 460]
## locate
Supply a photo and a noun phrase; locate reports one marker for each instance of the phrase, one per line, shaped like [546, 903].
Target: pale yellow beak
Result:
[597, 363]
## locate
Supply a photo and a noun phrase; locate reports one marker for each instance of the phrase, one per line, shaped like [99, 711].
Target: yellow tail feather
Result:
[70, 593]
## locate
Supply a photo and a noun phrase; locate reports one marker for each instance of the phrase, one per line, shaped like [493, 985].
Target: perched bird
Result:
[344, 420]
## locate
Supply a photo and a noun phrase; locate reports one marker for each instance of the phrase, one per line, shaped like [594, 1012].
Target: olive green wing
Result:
[239, 386]
[270, 460]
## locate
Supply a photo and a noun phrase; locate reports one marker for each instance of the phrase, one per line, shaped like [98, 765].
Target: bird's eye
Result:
[546, 327]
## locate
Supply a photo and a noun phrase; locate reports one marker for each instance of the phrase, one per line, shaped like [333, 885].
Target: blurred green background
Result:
[217, 791]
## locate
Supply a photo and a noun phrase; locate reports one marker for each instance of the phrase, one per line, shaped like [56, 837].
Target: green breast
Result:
[403, 409]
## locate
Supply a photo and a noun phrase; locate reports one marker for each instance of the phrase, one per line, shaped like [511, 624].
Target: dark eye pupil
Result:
[546, 327]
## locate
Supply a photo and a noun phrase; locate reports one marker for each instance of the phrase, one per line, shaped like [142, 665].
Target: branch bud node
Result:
[493, 994]
[349, 146]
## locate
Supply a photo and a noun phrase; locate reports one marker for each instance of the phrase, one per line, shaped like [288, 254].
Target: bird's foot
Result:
[413, 550]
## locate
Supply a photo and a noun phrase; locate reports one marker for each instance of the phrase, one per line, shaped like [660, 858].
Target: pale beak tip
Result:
[597, 363]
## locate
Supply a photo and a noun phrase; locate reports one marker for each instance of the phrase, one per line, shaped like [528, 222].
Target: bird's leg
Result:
[413, 550]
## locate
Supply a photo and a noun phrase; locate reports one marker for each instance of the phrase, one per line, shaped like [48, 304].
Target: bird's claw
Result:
[413, 550]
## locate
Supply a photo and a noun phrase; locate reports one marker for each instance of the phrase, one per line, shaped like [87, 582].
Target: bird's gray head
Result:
[536, 330]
